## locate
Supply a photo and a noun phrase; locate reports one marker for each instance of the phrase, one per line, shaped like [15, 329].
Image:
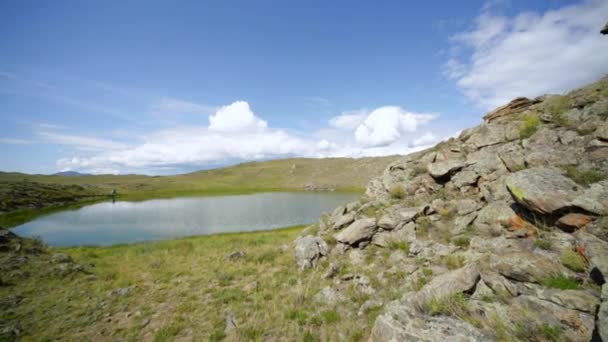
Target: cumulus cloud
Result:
[236, 133]
[386, 125]
[530, 54]
[236, 117]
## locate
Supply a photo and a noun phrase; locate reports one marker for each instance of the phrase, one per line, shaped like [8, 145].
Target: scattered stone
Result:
[61, 258]
[368, 305]
[358, 231]
[121, 292]
[544, 190]
[572, 222]
[465, 178]
[387, 222]
[332, 270]
[466, 206]
[231, 325]
[329, 296]
[308, 250]
[236, 255]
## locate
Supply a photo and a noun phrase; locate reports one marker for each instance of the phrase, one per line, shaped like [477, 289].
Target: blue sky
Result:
[161, 87]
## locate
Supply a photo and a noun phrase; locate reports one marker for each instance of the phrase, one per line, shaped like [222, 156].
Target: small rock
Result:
[230, 324]
[572, 222]
[344, 220]
[308, 250]
[358, 231]
[236, 255]
[145, 322]
[368, 305]
[332, 270]
[329, 296]
[61, 258]
[444, 168]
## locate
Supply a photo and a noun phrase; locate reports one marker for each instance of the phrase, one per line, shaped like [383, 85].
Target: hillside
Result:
[23, 192]
[499, 234]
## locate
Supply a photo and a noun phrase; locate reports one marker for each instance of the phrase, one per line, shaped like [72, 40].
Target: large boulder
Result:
[541, 189]
[526, 267]
[308, 250]
[360, 230]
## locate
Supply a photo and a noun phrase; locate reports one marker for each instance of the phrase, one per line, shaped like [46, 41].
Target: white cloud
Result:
[236, 133]
[173, 106]
[236, 117]
[386, 125]
[80, 142]
[348, 121]
[530, 54]
[426, 139]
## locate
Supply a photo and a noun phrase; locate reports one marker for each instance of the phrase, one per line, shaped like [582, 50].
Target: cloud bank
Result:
[236, 133]
[530, 54]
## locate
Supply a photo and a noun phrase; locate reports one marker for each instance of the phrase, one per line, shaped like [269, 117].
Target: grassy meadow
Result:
[178, 290]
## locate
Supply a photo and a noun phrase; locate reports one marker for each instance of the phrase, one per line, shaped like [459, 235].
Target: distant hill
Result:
[19, 191]
[71, 174]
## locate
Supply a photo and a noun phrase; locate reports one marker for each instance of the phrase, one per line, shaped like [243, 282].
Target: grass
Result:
[397, 191]
[557, 106]
[462, 241]
[183, 287]
[542, 244]
[453, 261]
[422, 227]
[452, 305]
[561, 282]
[529, 126]
[584, 177]
[399, 245]
[573, 260]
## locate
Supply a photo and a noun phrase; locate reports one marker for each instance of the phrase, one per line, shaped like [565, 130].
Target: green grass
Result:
[542, 244]
[584, 177]
[183, 287]
[573, 260]
[400, 245]
[397, 191]
[557, 106]
[452, 305]
[529, 126]
[561, 282]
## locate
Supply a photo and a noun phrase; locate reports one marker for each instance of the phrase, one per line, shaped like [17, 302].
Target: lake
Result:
[125, 222]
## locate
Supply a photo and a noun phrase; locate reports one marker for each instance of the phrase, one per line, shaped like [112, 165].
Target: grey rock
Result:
[329, 296]
[358, 231]
[457, 281]
[499, 284]
[544, 190]
[594, 199]
[409, 214]
[399, 324]
[61, 258]
[368, 305]
[465, 178]
[442, 168]
[121, 292]
[388, 222]
[570, 299]
[526, 267]
[344, 220]
[332, 270]
[487, 135]
[231, 325]
[496, 213]
[482, 291]
[308, 250]
[236, 255]
[466, 206]
[461, 223]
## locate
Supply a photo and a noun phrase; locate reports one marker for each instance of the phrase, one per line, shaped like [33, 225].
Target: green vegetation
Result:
[401, 245]
[561, 282]
[397, 192]
[532, 331]
[422, 227]
[529, 126]
[557, 106]
[453, 261]
[179, 290]
[543, 244]
[573, 260]
[453, 305]
[462, 241]
[584, 177]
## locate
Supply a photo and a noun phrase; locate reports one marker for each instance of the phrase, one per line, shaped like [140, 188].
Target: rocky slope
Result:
[499, 234]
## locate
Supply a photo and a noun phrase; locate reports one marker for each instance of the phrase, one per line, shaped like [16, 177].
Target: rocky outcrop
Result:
[499, 234]
[308, 250]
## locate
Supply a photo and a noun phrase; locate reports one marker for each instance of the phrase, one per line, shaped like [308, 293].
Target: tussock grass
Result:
[529, 126]
[561, 282]
[584, 177]
[397, 192]
[573, 260]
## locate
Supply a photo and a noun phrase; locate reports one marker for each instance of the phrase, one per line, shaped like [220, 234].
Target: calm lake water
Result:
[123, 222]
